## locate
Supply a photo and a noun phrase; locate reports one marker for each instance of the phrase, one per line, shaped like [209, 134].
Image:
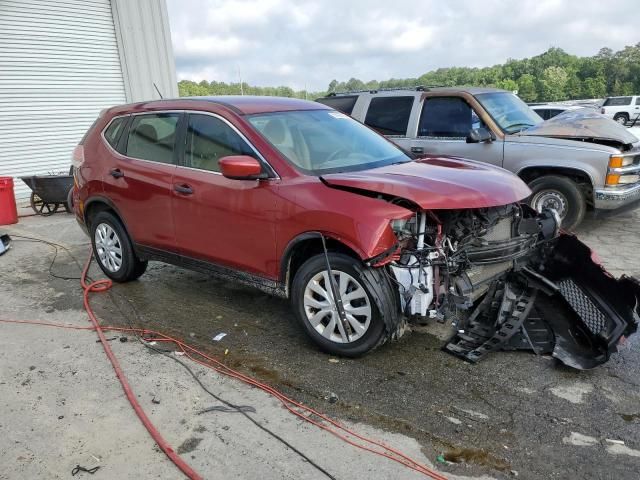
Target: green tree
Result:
[508, 84]
[574, 87]
[527, 88]
[553, 84]
[594, 88]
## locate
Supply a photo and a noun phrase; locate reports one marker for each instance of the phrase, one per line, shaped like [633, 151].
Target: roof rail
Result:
[418, 88]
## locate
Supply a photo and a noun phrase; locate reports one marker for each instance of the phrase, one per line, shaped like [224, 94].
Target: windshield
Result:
[326, 141]
[510, 113]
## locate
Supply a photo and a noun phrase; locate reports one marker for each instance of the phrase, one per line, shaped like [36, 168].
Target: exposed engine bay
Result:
[506, 278]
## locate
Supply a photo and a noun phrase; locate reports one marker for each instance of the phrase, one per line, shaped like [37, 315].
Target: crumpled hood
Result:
[438, 183]
[584, 123]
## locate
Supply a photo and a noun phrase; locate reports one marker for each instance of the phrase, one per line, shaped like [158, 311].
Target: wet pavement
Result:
[511, 414]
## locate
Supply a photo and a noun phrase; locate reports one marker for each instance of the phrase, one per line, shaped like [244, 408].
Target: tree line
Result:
[554, 75]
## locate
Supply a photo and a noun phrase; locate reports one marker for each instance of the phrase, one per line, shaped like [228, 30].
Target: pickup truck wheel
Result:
[561, 194]
[621, 118]
[367, 297]
[113, 250]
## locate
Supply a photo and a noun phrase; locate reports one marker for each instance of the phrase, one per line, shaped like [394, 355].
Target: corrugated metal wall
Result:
[142, 29]
[59, 66]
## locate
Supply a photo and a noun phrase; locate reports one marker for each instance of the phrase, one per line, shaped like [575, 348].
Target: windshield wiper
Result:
[516, 125]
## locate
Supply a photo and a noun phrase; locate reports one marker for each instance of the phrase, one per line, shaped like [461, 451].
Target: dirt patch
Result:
[189, 445]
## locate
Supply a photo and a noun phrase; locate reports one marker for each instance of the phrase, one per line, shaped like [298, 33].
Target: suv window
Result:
[616, 101]
[637, 100]
[344, 104]
[113, 131]
[389, 115]
[450, 117]
[209, 139]
[543, 112]
[153, 137]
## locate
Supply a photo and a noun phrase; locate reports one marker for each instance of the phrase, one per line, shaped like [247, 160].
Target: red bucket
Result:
[8, 210]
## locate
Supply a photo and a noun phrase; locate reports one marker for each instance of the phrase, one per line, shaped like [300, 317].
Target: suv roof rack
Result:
[418, 88]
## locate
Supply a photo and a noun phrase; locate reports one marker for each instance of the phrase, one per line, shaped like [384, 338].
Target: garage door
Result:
[59, 66]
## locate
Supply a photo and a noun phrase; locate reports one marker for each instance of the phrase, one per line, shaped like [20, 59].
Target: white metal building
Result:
[62, 61]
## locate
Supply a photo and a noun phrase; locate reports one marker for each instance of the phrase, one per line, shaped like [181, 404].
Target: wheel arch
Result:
[101, 204]
[582, 178]
[306, 245]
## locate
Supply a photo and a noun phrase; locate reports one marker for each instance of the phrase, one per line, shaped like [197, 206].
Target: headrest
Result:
[274, 131]
[147, 132]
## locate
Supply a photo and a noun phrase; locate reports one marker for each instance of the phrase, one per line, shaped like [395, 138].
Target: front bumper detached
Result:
[568, 306]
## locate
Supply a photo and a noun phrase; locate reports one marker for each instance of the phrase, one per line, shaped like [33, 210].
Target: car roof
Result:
[416, 91]
[241, 104]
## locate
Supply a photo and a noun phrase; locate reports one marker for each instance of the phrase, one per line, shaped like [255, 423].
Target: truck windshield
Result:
[325, 141]
[510, 113]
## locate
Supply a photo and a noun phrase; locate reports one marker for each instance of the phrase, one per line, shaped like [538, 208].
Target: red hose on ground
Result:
[214, 364]
[102, 286]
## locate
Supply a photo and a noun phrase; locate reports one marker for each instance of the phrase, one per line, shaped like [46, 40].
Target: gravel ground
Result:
[513, 413]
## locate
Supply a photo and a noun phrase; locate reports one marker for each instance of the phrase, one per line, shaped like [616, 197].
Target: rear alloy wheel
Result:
[367, 297]
[621, 118]
[113, 250]
[560, 194]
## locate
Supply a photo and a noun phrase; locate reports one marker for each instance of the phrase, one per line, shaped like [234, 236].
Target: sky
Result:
[307, 43]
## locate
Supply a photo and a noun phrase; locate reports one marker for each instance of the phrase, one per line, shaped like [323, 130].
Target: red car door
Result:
[139, 181]
[219, 220]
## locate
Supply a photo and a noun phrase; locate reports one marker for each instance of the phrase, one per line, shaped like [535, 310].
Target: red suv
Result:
[304, 202]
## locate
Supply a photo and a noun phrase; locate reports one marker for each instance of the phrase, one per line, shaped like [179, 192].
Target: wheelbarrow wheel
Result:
[41, 207]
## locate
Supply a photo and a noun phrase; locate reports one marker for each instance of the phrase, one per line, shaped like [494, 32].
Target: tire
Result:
[621, 118]
[384, 315]
[122, 267]
[561, 193]
[68, 206]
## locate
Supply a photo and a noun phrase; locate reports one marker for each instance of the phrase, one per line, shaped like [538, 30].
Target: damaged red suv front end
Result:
[501, 273]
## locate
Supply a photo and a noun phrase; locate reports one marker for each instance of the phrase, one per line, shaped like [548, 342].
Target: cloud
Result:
[311, 42]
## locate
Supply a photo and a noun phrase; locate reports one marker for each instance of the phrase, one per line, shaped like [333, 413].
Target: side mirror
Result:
[478, 135]
[241, 167]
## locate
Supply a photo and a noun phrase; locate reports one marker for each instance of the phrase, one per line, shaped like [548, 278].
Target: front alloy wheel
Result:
[322, 313]
[370, 305]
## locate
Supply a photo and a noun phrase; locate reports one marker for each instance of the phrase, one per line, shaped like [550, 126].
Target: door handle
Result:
[417, 150]
[184, 189]
[116, 173]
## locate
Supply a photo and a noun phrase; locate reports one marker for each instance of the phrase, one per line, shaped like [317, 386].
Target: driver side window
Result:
[447, 117]
[208, 140]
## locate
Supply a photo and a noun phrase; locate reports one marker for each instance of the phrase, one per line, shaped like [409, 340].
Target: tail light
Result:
[77, 158]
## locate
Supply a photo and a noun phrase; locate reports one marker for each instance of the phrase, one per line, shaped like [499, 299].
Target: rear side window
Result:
[153, 137]
[637, 100]
[389, 115]
[209, 139]
[114, 130]
[616, 101]
[543, 112]
[343, 104]
[450, 117]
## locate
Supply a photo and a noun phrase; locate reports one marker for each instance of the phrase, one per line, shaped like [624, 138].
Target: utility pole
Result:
[240, 79]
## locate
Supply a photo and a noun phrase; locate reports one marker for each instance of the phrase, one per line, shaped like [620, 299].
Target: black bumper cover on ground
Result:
[567, 306]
